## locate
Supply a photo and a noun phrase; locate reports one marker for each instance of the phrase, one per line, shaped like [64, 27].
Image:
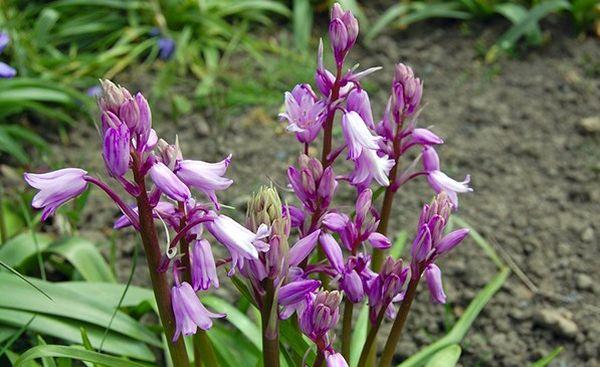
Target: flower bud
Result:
[129, 113]
[433, 275]
[358, 101]
[343, 32]
[113, 96]
[116, 150]
[407, 90]
[145, 115]
[169, 154]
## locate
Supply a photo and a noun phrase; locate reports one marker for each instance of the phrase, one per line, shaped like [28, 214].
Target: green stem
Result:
[270, 326]
[347, 328]
[394, 336]
[371, 337]
[159, 279]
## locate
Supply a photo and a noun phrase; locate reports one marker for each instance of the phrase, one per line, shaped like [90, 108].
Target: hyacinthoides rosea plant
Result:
[270, 256]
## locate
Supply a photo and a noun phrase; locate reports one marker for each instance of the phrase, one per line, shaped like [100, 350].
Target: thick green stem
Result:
[270, 326]
[159, 279]
[347, 328]
[394, 336]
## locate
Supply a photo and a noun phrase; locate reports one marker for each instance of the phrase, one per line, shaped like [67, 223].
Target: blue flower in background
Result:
[6, 71]
[166, 47]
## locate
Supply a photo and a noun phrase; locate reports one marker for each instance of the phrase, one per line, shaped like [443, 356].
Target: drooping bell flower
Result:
[240, 241]
[169, 183]
[6, 71]
[56, 188]
[296, 291]
[433, 275]
[301, 249]
[204, 271]
[358, 101]
[205, 177]
[343, 32]
[334, 359]
[439, 181]
[304, 113]
[357, 135]
[425, 137]
[371, 166]
[116, 150]
[190, 313]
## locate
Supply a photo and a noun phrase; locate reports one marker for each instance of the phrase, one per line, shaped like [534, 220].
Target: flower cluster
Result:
[303, 259]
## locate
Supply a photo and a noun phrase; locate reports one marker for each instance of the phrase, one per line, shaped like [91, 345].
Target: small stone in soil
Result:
[584, 282]
[587, 235]
[590, 125]
[557, 320]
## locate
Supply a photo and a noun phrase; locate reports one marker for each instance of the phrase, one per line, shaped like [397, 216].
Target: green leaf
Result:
[422, 11]
[545, 361]
[44, 24]
[303, 22]
[70, 331]
[391, 14]
[510, 37]
[41, 351]
[447, 357]
[236, 318]
[82, 306]
[480, 241]
[12, 357]
[516, 13]
[16, 335]
[23, 278]
[359, 335]
[463, 325]
[399, 245]
[20, 248]
[85, 257]
[12, 147]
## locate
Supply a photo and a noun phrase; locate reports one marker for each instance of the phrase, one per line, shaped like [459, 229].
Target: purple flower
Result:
[95, 91]
[358, 101]
[145, 116]
[56, 188]
[379, 241]
[296, 291]
[425, 137]
[343, 32]
[451, 240]
[304, 113]
[302, 248]
[320, 315]
[357, 135]
[240, 241]
[190, 313]
[205, 177]
[168, 183]
[204, 271]
[6, 71]
[166, 47]
[433, 275]
[439, 181]
[129, 113]
[116, 150]
[335, 360]
[352, 285]
[113, 96]
[371, 166]
[332, 251]
[386, 285]
[407, 91]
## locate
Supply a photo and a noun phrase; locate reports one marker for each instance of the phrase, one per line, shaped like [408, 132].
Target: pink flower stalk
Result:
[56, 188]
[304, 113]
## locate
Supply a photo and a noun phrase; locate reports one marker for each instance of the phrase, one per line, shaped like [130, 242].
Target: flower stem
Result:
[320, 359]
[388, 200]
[159, 279]
[270, 332]
[347, 328]
[371, 338]
[327, 134]
[394, 336]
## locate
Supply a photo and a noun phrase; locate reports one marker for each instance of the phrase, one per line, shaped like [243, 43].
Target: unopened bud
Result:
[113, 96]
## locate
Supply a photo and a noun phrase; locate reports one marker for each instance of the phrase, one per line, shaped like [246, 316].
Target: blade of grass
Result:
[41, 351]
[447, 357]
[359, 335]
[16, 336]
[544, 361]
[34, 237]
[23, 278]
[480, 241]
